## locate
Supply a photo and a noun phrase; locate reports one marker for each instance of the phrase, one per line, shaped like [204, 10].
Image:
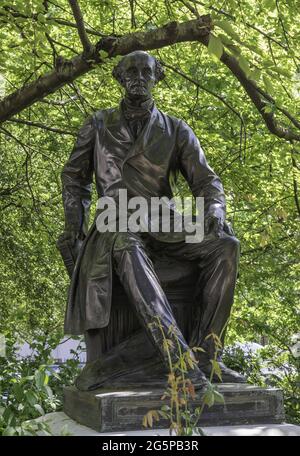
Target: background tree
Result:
[232, 73]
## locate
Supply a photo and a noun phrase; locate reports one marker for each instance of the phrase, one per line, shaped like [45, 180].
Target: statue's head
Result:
[138, 72]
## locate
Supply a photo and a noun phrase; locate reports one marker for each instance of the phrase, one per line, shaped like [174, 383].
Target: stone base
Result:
[107, 410]
[60, 424]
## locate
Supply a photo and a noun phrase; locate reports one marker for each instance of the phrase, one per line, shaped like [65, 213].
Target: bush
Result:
[29, 387]
[272, 366]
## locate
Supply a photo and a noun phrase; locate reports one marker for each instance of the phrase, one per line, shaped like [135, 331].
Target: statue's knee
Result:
[230, 246]
[125, 242]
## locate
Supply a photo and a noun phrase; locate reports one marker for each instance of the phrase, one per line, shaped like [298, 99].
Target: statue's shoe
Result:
[90, 377]
[228, 375]
[94, 376]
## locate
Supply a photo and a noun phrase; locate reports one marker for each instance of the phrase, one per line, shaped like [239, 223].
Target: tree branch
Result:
[132, 8]
[219, 97]
[67, 71]
[193, 9]
[42, 126]
[254, 93]
[230, 16]
[86, 44]
[197, 84]
[60, 102]
[58, 20]
[295, 183]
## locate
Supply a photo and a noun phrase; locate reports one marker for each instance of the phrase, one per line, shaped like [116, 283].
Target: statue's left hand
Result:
[216, 225]
[213, 224]
[228, 229]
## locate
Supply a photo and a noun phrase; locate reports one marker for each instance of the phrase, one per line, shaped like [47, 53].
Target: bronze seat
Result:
[178, 279]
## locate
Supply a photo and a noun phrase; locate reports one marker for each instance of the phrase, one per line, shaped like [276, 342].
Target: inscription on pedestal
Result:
[122, 410]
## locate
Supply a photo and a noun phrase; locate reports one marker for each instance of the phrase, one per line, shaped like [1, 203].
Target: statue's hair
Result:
[118, 69]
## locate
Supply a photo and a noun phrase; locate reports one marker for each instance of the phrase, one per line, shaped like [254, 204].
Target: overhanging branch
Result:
[194, 30]
[69, 70]
[42, 126]
[254, 93]
[86, 44]
[34, 17]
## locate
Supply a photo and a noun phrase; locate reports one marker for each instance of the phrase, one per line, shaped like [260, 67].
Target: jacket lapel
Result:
[148, 138]
[118, 129]
[150, 134]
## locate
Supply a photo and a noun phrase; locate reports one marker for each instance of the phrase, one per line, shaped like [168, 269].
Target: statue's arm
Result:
[202, 180]
[77, 178]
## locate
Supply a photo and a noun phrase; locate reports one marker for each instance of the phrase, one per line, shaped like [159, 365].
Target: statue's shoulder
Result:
[103, 114]
[175, 121]
[183, 130]
[169, 118]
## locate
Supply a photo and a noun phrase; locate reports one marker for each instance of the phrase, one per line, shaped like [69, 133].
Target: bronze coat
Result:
[106, 148]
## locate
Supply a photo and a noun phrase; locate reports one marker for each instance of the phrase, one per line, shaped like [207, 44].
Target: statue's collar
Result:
[134, 111]
[116, 119]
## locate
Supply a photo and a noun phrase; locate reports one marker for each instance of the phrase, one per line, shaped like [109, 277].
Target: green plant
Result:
[29, 387]
[271, 366]
[180, 412]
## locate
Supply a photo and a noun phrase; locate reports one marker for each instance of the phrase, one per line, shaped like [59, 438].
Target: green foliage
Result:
[215, 46]
[29, 388]
[272, 365]
[259, 170]
[178, 407]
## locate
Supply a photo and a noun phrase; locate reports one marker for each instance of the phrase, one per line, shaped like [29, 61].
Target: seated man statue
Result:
[137, 148]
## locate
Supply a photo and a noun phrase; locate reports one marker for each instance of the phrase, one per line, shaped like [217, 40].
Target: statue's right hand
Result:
[69, 235]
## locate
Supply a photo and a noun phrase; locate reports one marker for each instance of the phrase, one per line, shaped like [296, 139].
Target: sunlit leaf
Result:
[215, 46]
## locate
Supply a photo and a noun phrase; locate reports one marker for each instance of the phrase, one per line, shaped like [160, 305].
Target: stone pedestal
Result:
[107, 410]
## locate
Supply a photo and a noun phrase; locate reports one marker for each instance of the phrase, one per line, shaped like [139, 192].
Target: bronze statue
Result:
[138, 148]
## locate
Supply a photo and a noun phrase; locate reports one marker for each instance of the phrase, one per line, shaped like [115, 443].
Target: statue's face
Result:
[139, 75]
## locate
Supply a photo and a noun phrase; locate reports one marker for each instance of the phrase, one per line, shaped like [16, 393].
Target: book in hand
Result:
[69, 252]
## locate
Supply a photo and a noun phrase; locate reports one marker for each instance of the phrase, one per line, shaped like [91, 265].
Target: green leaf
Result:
[269, 4]
[227, 27]
[215, 46]
[219, 398]
[39, 408]
[165, 408]
[244, 65]
[253, 48]
[209, 397]
[281, 71]
[267, 63]
[216, 368]
[31, 398]
[8, 415]
[49, 392]
[235, 50]
[103, 54]
[267, 109]
[20, 20]
[39, 378]
[9, 431]
[255, 74]
[264, 239]
[41, 18]
[225, 40]
[18, 392]
[268, 85]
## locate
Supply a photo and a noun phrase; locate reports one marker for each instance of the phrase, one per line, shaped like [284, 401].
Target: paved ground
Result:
[59, 421]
